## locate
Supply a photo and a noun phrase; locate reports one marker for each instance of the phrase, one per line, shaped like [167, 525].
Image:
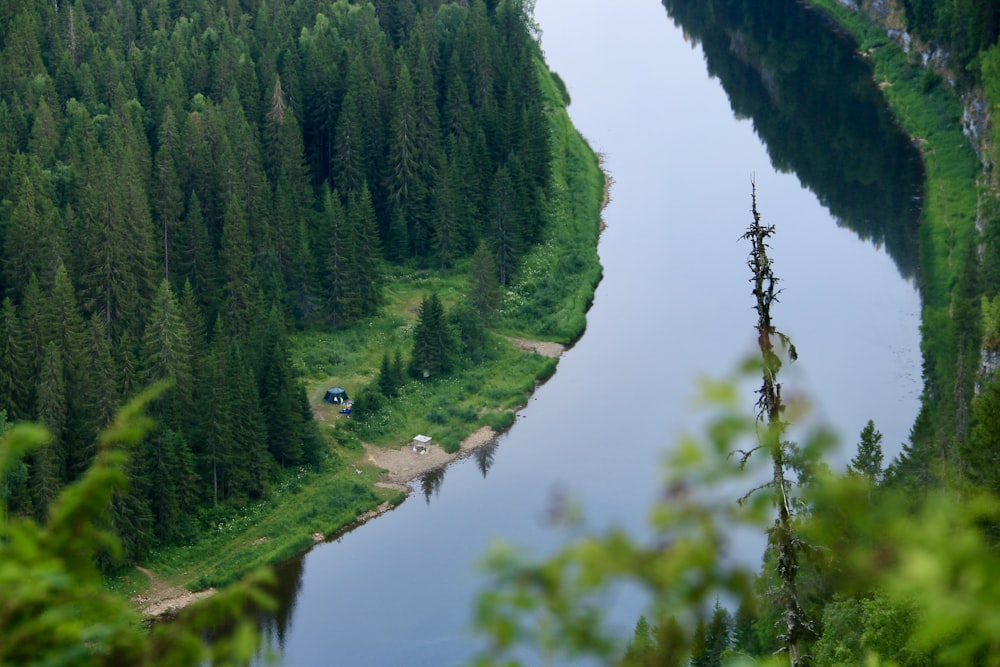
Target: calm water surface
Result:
[675, 304]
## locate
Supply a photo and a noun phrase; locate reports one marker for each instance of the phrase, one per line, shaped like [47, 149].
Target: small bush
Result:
[500, 421]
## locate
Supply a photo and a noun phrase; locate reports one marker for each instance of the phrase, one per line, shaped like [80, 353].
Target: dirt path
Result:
[163, 599]
[544, 348]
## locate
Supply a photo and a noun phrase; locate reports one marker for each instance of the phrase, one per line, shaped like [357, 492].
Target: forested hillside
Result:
[185, 183]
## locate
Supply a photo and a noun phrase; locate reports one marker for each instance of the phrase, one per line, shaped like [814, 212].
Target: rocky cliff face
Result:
[889, 15]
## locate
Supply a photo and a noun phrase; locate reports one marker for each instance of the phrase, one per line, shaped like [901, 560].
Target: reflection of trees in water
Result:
[430, 483]
[286, 592]
[814, 103]
[485, 455]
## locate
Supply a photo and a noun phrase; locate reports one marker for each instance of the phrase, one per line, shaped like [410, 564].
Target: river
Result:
[682, 146]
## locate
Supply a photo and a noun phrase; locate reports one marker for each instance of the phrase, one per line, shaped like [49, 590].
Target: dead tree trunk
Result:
[769, 409]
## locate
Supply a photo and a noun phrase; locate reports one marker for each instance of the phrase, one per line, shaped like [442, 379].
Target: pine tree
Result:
[168, 198]
[403, 137]
[117, 238]
[249, 466]
[868, 461]
[642, 649]
[447, 219]
[484, 289]
[350, 159]
[433, 347]
[44, 135]
[198, 263]
[504, 228]
[32, 343]
[981, 449]
[404, 182]
[366, 280]
[240, 283]
[334, 253]
[104, 391]
[783, 538]
[166, 354]
[171, 479]
[278, 397]
[13, 371]
[49, 465]
[291, 206]
[63, 325]
[215, 420]
[386, 381]
[32, 242]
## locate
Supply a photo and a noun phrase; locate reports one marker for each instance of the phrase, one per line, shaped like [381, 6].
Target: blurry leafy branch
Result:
[884, 576]
[55, 610]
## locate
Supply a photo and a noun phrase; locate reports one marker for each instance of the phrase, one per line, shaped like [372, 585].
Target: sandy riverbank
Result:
[403, 464]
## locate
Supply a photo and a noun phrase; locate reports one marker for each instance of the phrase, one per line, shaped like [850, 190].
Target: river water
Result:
[675, 304]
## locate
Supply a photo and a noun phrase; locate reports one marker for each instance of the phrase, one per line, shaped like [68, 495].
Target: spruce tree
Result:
[13, 371]
[166, 354]
[350, 160]
[334, 256]
[168, 198]
[868, 461]
[32, 238]
[63, 325]
[366, 279]
[484, 288]
[277, 389]
[51, 410]
[504, 227]
[215, 420]
[198, 263]
[104, 391]
[240, 283]
[433, 347]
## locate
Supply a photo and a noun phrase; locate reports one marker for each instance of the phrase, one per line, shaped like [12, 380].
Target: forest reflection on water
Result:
[815, 104]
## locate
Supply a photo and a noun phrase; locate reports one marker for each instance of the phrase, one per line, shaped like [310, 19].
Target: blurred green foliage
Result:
[55, 610]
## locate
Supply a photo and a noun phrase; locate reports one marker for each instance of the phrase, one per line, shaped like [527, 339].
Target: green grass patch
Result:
[450, 408]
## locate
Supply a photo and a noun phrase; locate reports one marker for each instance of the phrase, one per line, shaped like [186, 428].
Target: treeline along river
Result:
[687, 105]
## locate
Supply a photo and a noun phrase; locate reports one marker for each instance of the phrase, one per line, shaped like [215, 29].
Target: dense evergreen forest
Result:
[184, 183]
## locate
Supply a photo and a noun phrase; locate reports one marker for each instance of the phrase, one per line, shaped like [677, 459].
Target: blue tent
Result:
[335, 395]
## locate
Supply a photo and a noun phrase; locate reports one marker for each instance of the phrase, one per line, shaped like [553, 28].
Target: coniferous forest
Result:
[185, 183]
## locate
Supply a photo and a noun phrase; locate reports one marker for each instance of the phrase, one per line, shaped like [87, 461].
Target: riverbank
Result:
[462, 411]
[932, 115]
[404, 464]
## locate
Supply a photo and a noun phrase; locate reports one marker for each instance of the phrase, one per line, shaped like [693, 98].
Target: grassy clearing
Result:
[549, 302]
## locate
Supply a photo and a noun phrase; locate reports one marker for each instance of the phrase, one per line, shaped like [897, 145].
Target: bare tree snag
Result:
[769, 409]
